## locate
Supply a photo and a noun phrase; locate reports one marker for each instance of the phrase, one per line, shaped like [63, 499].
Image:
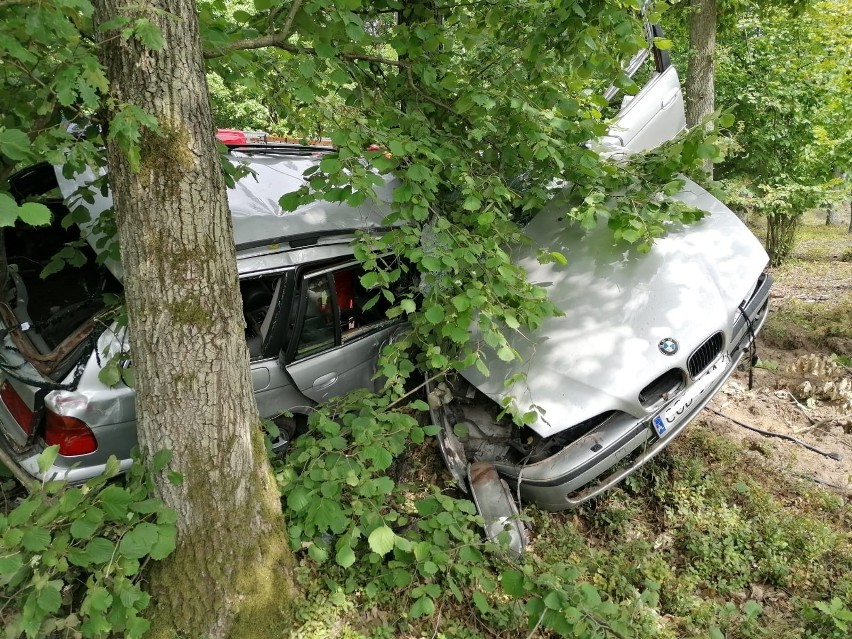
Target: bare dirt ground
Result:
[803, 385]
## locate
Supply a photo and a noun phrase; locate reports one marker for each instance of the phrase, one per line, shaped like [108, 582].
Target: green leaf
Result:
[482, 368]
[345, 556]
[149, 34]
[481, 602]
[381, 540]
[15, 144]
[35, 214]
[505, 353]
[381, 458]
[330, 165]
[115, 502]
[49, 598]
[630, 235]
[752, 609]
[303, 93]
[371, 279]
[85, 526]
[8, 210]
[422, 607]
[128, 375]
[486, 218]
[53, 266]
[307, 67]
[472, 203]
[513, 583]
[432, 263]
[552, 600]
[418, 172]
[408, 305]
[160, 460]
[329, 515]
[174, 478]
[435, 314]
[707, 151]
[325, 50]
[36, 539]
[98, 599]
[419, 404]
[140, 541]
[109, 375]
[146, 506]
[354, 31]
[99, 550]
[298, 499]
[290, 201]
[9, 565]
[166, 542]
[136, 628]
[317, 553]
[47, 457]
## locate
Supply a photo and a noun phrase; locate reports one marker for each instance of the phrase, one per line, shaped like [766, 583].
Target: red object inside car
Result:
[344, 283]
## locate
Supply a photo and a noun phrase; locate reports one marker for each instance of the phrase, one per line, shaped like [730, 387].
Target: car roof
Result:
[258, 219]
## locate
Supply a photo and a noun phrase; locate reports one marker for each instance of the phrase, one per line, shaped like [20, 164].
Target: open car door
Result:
[338, 332]
[654, 115]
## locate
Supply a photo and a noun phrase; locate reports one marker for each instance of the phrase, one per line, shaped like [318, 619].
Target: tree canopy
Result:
[478, 109]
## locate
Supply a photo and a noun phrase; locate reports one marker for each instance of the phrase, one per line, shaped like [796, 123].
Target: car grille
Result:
[661, 388]
[705, 354]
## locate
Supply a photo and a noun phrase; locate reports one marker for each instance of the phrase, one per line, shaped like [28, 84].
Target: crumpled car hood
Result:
[618, 305]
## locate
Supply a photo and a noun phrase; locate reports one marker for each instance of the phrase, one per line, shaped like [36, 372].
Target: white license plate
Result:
[672, 415]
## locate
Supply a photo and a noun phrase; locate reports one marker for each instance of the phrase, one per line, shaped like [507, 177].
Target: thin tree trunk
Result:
[700, 72]
[230, 574]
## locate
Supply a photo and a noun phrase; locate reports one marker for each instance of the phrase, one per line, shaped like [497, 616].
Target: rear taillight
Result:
[73, 436]
[17, 407]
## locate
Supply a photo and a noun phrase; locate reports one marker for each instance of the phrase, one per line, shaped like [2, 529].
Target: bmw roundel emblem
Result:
[668, 346]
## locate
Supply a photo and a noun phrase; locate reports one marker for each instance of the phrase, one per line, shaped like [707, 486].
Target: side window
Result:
[642, 68]
[335, 308]
[317, 330]
[257, 295]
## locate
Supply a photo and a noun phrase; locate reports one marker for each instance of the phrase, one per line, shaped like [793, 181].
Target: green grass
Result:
[812, 324]
[819, 269]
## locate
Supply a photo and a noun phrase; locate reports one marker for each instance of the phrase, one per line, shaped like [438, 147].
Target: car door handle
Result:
[670, 98]
[325, 380]
[260, 378]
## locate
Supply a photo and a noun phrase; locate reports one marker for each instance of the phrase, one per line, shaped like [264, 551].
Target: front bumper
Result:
[578, 472]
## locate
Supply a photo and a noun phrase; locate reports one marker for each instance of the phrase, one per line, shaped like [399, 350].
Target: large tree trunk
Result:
[230, 574]
[700, 71]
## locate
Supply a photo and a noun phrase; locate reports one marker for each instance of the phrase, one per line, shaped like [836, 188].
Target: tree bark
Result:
[700, 71]
[230, 574]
